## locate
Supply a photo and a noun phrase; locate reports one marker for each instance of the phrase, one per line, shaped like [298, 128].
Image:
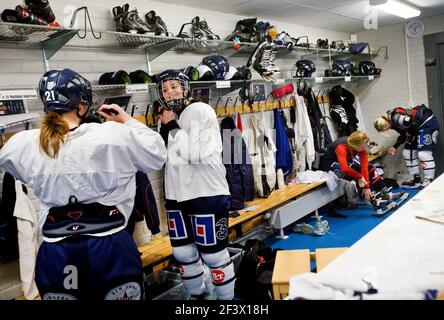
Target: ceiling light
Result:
[396, 8]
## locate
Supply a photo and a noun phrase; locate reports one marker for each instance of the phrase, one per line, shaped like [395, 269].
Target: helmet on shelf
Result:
[218, 64]
[303, 68]
[342, 67]
[367, 68]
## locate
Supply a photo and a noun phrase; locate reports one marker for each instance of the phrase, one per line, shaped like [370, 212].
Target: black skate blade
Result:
[394, 205]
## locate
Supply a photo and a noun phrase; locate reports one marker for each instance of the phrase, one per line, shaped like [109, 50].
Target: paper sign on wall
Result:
[18, 94]
[136, 88]
[223, 84]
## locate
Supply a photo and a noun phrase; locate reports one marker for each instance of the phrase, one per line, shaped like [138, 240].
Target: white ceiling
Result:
[338, 15]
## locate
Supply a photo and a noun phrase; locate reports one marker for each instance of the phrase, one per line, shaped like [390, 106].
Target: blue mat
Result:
[342, 233]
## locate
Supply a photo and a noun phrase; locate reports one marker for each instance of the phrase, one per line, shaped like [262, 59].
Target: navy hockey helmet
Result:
[303, 68]
[63, 90]
[218, 64]
[367, 68]
[184, 81]
[342, 67]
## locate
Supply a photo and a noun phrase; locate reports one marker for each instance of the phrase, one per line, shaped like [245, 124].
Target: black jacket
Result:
[342, 110]
[237, 164]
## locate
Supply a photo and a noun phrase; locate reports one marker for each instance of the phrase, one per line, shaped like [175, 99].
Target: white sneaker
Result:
[425, 183]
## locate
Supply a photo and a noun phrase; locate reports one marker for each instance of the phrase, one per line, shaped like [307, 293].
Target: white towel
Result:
[27, 226]
[313, 176]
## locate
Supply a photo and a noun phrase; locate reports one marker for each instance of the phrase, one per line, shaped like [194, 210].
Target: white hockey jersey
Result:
[304, 135]
[97, 163]
[194, 168]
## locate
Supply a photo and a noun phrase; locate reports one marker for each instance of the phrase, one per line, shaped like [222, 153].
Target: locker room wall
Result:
[392, 89]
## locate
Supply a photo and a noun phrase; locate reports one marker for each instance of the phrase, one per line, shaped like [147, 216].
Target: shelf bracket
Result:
[57, 41]
[386, 51]
[155, 50]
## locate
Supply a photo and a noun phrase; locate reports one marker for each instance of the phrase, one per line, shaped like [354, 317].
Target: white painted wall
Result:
[392, 89]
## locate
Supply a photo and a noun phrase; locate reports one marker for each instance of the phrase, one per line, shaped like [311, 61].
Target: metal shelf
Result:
[52, 39]
[234, 84]
[49, 39]
[8, 121]
[321, 53]
[32, 35]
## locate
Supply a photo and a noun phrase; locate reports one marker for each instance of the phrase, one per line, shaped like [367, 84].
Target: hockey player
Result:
[84, 175]
[196, 191]
[347, 158]
[418, 128]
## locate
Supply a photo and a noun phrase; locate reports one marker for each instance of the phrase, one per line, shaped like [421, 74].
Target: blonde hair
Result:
[382, 123]
[52, 133]
[357, 139]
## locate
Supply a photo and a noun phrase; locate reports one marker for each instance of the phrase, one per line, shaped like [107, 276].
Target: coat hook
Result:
[226, 104]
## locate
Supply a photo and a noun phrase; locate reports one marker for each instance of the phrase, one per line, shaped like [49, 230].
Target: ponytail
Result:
[52, 133]
[357, 139]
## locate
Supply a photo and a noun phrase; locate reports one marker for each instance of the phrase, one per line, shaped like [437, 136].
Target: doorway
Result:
[434, 55]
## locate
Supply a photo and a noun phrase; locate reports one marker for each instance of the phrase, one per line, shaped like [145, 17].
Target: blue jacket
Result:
[237, 164]
[283, 152]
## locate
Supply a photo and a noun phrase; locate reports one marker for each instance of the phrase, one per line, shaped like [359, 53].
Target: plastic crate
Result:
[164, 285]
[236, 257]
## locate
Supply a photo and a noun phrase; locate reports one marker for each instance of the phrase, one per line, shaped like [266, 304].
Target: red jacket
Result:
[346, 155]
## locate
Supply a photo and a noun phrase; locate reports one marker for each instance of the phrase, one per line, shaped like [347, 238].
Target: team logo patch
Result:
[75, 214]
[427, 139]
[435, 137]
[50, 85]
[181, 270]
[75, 227]
[204, 229]
[127, 291]
[222, 226]
[176, 225]
[58, 296]
[424, 165]
[218, 276]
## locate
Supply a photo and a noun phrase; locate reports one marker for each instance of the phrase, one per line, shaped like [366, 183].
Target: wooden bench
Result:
[156, 253]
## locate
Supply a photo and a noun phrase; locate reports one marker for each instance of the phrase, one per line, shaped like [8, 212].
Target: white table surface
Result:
[402, 251]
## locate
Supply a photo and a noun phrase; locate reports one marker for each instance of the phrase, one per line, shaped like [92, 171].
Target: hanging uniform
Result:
[95, 159]
[418, 128]
[9, 249]
[237, 164]
[284, 160]
[304, 135]
[262, 150]
[342, 110]
[319, 127]
[145, 207]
